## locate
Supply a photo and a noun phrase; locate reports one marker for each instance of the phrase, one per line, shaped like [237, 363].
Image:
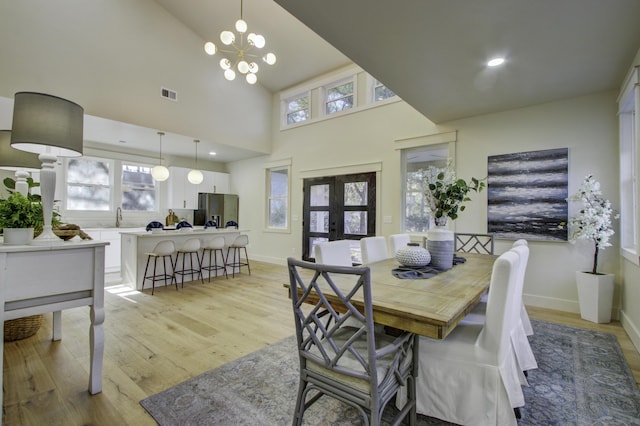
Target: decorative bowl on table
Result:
[413, 255]
[67, 231]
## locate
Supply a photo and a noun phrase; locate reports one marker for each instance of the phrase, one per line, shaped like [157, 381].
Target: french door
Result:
[338, 208]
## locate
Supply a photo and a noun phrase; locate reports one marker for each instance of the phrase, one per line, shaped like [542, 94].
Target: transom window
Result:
[339, 97]
[298, 109]
[381, 92]
[89, 184]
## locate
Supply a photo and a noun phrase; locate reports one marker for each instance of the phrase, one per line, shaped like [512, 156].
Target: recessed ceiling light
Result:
[212, 153]
[495, 62]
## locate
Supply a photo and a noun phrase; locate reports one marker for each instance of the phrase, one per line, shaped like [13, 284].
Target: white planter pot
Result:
[595, 293]
[18, 236]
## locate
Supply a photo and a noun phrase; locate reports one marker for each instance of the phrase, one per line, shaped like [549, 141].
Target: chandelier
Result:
[243, 56]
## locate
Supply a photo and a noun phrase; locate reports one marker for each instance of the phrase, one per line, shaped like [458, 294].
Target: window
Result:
[381, 92]
[298, 109]
[417, 216]
[138, 188]
[339, 97]
[629, 151]
[88, 184]
[278, 181]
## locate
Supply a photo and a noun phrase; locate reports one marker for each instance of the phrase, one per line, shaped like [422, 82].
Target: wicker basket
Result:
[21, 328]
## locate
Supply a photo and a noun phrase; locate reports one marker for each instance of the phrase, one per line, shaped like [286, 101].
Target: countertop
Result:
[197, 230]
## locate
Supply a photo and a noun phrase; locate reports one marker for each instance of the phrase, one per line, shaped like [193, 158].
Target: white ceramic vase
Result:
[440, 246]
[413, 255]
[595, 293]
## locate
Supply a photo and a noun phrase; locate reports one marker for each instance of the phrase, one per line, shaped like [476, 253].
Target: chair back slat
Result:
[474, 243]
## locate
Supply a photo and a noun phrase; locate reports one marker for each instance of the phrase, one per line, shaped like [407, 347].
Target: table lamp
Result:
[16, 160]
[51, 127]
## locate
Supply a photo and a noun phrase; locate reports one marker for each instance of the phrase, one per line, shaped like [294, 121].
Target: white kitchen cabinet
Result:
[221, 183]
[182, 193]
[214, 183]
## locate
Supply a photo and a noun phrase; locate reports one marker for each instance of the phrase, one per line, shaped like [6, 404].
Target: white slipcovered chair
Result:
[333, 253]
[524, 316]
[471, 377]
[519, 341]
[373, 249]
[398, 241]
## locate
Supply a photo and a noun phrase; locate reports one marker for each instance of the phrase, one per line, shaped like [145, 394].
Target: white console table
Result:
[37, 279]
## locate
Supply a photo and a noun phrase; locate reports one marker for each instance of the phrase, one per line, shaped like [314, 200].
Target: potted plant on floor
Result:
[593, 222]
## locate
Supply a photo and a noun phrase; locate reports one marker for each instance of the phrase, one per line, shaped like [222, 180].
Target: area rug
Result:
[582, 379]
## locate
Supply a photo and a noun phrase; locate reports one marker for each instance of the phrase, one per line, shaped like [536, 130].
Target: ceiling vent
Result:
[172, 95]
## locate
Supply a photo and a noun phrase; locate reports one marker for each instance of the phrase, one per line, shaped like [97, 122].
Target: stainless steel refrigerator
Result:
[221, 208]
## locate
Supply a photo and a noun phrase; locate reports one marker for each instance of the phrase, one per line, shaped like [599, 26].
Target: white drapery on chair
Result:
[519, 341]
[333, 253]
[471, 377]
[373, 249]
[398, 241]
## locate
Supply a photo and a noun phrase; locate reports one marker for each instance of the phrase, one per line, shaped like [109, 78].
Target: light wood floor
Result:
[155, 342]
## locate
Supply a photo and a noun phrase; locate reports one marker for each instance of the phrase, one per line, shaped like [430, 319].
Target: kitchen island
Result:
[135, 244]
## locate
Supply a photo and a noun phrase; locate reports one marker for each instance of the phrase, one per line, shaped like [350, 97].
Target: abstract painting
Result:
[527, 194]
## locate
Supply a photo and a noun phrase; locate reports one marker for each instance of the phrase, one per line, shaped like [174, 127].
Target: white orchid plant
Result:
[445, 193]
[593, 221]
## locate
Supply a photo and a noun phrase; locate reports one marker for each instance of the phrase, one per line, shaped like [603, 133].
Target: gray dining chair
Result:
[474, 243]
[341, 355]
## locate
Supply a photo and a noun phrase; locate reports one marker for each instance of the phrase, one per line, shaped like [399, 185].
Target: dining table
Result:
[430, 307]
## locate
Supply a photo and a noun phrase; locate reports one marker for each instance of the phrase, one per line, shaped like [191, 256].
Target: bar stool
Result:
[162, 250]
[214, 246]
[190, 247]
[240, 243]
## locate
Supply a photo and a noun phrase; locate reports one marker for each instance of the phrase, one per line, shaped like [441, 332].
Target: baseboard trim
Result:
[631, 328]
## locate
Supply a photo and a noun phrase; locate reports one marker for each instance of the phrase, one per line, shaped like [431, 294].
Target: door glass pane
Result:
[319, 195]
[319, 221]
[355, 223]
[355, 194]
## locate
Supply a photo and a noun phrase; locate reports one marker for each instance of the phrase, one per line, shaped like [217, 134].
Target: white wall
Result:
[586, 125]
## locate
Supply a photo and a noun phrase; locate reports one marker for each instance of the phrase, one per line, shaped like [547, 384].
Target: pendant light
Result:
[160, 172]
[195, 176]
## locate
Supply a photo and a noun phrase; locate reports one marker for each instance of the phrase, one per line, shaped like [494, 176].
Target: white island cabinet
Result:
[134, 245]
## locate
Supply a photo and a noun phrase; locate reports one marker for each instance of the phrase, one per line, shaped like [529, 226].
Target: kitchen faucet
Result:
[118, 217]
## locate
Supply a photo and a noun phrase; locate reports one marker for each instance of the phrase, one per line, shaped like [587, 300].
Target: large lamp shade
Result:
[45, 123]
[15, 159]
[52, 127]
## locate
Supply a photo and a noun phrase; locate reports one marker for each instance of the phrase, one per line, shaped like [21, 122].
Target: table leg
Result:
[96, 340]
[57, 326]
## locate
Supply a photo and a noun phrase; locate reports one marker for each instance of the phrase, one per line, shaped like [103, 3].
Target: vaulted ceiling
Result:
[112, 57]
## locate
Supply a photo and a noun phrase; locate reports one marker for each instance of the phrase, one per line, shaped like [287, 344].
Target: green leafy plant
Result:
[18, 211]
[446, 194]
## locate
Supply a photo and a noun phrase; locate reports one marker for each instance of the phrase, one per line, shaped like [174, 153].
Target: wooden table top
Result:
[433, 306]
